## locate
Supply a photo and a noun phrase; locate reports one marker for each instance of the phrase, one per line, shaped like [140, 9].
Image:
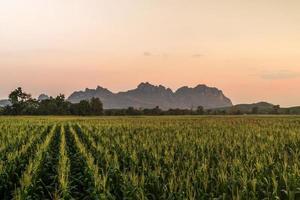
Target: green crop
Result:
[150, 157]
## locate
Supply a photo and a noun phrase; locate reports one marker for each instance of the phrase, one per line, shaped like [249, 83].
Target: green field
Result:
[150, 158]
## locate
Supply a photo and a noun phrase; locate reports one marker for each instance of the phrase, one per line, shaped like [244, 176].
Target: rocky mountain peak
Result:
[147, 95]
[146, 86]
[42, 97]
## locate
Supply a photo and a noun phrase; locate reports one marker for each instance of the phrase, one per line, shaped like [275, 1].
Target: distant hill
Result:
[147, 95]
[258, 108]
[4, 102]
[42, 97]
[292, 110]
[261, 106]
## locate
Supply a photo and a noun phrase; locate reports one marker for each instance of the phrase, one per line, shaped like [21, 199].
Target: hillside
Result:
[258, 108]
[261, 106]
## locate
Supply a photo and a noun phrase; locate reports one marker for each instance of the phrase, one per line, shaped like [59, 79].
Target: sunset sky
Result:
[248, 49]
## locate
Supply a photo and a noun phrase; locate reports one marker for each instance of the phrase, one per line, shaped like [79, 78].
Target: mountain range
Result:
[146, 95]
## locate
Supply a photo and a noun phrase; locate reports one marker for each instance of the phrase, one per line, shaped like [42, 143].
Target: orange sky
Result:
[249, 49]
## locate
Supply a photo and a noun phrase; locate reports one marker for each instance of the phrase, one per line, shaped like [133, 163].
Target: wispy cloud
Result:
[147, 53]
[279, 75]
[197, 55]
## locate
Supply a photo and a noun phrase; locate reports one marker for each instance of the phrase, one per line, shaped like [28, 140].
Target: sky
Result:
[248, 49]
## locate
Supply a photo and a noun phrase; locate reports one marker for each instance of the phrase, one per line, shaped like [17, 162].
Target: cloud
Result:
[146, 53]
[162, 55]
[279, 75]
[197, 55]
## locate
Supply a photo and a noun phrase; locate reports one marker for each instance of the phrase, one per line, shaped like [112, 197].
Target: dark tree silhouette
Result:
[255, 110]
[19, 101]
[96, 106]
[200, 110]
[276, 109]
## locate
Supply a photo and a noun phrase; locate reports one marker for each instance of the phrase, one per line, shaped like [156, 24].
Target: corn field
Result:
[150, 158]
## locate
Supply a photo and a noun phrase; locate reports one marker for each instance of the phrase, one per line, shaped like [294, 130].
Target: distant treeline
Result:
[198, 111]
[23, 104]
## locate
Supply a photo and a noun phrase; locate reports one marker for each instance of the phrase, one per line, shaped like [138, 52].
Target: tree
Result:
[156, 111]
[276, 109]
[208, 111]
[63, 107]
[19, 100]
[200, 110]
[254, 110]
[96, 106]
[18, 96]
[81, 108]
[31, 107]
[238, 112]
[132, 111]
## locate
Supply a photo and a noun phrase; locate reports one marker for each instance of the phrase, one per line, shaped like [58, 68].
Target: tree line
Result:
[23, 104]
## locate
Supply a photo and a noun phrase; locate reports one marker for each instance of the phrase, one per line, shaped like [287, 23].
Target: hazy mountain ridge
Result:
[147, 95]
[262, 106]
[42, 97]
[259, 108]
[4, 102]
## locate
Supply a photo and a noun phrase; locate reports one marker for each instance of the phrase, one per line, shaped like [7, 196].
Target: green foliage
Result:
[200, 110]
[150, 158]
[23, 104]
[96, 106]
[84, 107]
[18, 96]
